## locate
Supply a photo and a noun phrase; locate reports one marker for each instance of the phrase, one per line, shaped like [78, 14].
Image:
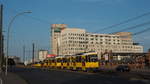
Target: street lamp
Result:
[8, 34]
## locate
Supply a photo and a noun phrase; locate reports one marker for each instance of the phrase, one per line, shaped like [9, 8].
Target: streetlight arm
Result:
[11, 21]
[8, 34]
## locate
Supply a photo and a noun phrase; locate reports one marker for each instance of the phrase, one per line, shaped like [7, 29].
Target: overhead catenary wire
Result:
[109, 27]
[133, 27]
[123, 22]
[140, 32]
[37, 19]
[43, 21]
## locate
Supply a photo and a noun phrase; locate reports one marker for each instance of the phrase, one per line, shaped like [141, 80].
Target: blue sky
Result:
[91, 15]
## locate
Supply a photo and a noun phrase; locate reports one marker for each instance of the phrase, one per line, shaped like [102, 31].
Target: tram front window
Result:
[93, 58]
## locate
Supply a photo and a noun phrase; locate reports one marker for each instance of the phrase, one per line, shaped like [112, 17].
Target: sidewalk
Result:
[11, 78]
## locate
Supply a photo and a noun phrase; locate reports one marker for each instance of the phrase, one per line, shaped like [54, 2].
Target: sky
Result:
[91, 15]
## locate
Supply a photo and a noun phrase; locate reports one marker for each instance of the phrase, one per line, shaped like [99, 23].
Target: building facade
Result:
[55, 37]
[73, 40]
[42, 54]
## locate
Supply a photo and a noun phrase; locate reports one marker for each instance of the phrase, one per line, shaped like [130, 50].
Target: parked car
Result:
[123, 68]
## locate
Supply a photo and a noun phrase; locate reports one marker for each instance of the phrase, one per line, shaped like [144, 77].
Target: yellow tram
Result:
[37, 64]
[86, 61]
[58, 61]
[82, 61]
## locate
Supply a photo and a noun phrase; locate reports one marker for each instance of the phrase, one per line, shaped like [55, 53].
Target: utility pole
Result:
[33, 53]
[1, 37]
[24, 53]
[57, 49]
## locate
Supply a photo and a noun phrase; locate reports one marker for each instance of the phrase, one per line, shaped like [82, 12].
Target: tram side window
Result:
[71, 59]
[64, 60]
[93, 58]
[83, 59]
[53, 60]
[78, 59]
[88, 59]
[58, 60]
[49, 61]
[46, 62]
[68, 59]
[74, 60]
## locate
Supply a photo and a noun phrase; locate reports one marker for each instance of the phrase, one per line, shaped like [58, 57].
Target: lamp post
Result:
[8, 34]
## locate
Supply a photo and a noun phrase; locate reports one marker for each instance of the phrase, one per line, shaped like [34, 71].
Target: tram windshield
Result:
[91, 58]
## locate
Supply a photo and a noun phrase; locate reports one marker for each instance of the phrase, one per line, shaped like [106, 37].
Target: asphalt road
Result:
[40, 76]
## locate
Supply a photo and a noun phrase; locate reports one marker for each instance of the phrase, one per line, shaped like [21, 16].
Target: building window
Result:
[92, 38]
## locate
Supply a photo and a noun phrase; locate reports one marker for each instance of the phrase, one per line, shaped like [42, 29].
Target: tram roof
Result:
[86, 53]
[61, 56]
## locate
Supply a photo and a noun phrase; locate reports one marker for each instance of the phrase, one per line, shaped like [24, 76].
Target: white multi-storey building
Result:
[73, 40]
[42, 54]
[55, 37]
